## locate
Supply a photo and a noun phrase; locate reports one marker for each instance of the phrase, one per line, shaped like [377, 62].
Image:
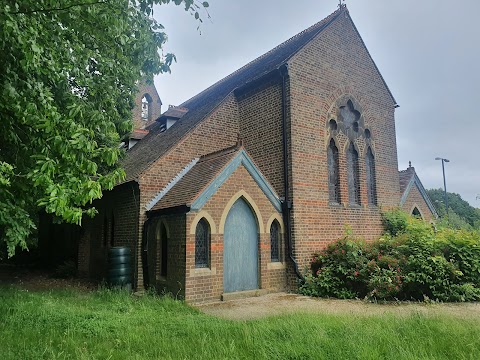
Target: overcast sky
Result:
[427, 51]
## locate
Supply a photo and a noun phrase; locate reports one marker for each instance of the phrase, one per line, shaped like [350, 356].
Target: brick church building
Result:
[237, 187]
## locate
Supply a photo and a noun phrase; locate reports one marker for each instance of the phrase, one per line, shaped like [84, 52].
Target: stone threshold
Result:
[244, 294]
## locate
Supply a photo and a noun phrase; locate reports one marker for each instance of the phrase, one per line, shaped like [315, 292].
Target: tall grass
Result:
[111, 324]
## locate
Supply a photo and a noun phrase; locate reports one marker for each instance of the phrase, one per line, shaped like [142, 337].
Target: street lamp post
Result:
[444, 181]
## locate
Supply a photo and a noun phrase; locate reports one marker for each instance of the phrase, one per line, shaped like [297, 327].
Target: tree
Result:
[460, 212]
[67, 86]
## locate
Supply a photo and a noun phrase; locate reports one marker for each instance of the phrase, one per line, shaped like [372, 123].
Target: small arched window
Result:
[333, 173]
[371, 178]
[353, 175]
[275, 241]
[202, 244]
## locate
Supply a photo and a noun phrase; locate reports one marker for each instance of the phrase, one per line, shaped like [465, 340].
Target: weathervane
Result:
[340, 3]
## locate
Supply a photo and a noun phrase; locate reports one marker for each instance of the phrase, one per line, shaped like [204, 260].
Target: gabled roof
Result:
[405, 178]
[157, 143]
[195, 186]
[409, 178]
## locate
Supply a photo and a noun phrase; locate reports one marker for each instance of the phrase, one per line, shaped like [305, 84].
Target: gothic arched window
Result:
[275, 241]
[333, 173]
[353, 174]
[371, 178]
[202, 244]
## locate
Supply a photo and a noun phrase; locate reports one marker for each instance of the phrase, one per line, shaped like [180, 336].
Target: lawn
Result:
[113, 325]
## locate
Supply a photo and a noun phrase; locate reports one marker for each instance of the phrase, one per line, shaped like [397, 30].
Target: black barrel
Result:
[120, 271]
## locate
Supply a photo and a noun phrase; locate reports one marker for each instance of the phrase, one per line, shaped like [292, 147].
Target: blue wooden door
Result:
[240, 254]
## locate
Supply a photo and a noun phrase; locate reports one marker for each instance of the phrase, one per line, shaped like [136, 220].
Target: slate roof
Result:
[198, 178]
[157, 143]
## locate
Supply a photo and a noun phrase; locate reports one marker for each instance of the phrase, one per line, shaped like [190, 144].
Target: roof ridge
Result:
[286, 42]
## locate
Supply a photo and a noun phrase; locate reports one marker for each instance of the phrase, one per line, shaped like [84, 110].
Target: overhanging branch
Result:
[58, 9]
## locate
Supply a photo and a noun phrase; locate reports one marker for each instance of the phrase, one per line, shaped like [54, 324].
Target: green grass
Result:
[107, 324]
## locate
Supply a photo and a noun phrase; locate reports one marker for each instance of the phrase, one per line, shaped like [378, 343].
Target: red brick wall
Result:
[174, 282]
[415, 199]
[261, 130]
[204, 285]
[122, 204]
[218, 131]
[334, 64]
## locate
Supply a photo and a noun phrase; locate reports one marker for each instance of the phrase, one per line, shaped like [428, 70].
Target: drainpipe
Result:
[287, 204]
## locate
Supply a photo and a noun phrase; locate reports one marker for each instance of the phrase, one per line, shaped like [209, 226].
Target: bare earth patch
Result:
[283, 303]
[40, 280]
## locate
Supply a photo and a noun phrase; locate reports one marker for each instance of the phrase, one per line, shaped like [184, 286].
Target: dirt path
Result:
[283, 303]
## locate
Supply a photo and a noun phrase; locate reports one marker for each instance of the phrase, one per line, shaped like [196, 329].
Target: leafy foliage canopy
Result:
[67, 85]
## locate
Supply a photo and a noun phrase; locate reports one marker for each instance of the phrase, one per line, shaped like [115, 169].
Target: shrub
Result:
[411, 262]
[336, 270]
[395, 221]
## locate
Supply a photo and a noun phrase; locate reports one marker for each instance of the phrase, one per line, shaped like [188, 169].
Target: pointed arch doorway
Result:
[240, 254]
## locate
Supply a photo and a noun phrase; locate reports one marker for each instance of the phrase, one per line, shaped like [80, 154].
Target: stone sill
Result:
[197, 272]
[276, 266]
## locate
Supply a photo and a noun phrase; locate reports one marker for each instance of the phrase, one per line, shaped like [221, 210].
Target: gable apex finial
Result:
[341, 3]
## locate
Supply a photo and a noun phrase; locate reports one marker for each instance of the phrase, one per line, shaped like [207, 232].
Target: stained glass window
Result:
[371, 179]
[353, 175]
[275, 241]
[202, 244]
[333, 173]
